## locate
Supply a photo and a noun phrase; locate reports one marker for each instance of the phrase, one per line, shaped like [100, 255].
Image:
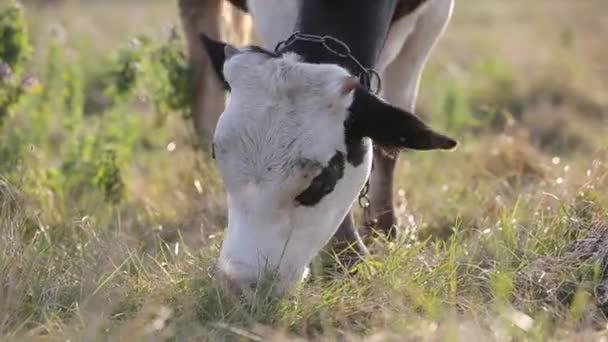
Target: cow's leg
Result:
[347, 243]
[203, 16]
[400, 80]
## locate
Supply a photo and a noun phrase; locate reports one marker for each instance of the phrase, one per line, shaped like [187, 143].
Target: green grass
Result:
[112, 214]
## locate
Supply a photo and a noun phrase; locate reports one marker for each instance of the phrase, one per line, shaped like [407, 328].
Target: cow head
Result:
[294, 149]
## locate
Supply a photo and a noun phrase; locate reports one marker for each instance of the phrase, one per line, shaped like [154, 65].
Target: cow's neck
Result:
[362, 24]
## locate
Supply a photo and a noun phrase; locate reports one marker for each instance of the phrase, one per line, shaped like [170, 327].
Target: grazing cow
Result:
[294, 144]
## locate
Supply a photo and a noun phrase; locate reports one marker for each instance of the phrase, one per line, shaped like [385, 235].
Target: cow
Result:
[296, 142]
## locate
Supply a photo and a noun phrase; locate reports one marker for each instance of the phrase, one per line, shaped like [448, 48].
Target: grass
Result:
[111, 214]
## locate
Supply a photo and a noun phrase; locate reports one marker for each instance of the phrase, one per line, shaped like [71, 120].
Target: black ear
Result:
[391, 127]
[217, 54]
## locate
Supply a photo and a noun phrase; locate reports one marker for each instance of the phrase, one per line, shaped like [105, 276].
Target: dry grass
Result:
[506, 237]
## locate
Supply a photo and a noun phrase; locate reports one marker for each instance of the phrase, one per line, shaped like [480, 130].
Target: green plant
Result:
[109, 179]
[151, 72]
[15, 51]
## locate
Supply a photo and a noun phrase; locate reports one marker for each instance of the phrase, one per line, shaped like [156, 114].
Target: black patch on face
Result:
[324, 183]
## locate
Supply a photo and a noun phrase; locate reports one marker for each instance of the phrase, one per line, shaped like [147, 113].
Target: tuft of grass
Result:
[111, 212]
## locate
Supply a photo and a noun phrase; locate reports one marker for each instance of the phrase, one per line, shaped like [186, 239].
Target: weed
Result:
[110, 220]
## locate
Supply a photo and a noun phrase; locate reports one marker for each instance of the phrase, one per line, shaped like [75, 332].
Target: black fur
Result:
[406, 7]
[362, 24]
[240, 4]
[258, 49]
[215, 50]
[355, 150]
[389, 126]
[324, 183]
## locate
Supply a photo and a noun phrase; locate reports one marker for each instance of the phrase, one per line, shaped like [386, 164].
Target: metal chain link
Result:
[365, 204]
[340, 49]
[366, 76]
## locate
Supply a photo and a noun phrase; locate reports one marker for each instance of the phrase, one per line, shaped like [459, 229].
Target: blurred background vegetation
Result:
[111, 210]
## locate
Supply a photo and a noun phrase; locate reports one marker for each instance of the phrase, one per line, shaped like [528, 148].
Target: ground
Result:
[111, 212]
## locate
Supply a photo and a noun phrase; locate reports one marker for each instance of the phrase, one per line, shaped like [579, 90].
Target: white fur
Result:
[284, 122]
[398, 33]
[274, 20]
[401, 72]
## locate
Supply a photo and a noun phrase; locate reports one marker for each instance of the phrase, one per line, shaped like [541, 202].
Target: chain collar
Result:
[339, 49]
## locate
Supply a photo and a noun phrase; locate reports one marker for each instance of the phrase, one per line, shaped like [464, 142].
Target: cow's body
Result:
[395, 38]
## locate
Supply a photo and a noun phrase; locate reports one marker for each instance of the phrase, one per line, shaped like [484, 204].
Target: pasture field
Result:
[111, 210]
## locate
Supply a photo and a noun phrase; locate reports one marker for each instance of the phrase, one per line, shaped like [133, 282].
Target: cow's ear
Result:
[391, 127]
[219, 52]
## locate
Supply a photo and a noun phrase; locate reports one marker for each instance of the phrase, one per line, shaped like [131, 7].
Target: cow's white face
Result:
[293, 148]
[281, 149]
